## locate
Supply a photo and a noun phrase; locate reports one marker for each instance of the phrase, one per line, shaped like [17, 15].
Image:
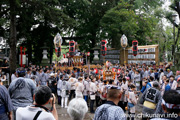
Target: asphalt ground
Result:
[63, 115]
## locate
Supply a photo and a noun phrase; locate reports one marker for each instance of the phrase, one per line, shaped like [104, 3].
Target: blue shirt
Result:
[5, 103]
[167, 88]
[109, 111]
[21, 91]
[148, 85]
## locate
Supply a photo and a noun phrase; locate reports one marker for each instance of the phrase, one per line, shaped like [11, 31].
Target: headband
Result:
[170, 106]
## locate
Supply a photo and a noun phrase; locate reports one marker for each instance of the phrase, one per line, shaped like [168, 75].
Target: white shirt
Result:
[72, 82]
[13, 77]
[93, 87]
[79, 90]
[173, 85]
[132, 99]
[28, 113]
[161, 78]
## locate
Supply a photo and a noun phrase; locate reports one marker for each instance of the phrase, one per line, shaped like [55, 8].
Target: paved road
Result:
[63, 115]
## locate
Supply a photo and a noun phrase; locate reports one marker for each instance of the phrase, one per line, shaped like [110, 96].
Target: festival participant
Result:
[103, 92]
[33, 78]
[170, 73]
[171, 106]
[52, 83]
[72, 82]
[177, 75]
[167, 86]
[146, 85]
[161, 76]
[59, 83]
[178, 86]
[38, 111]
[77, 109]
[132, 101]
[132, 74]
[149, 99]
[6, 106]
[156, 75]
[163, 85]
[92, 90]
[137, 79]
[21, 90]
[152, 73]
[110, 110]
[146, 73]
[34, 74]
[151, 79]
[65, 89]
[124, 89]
[79, 88]
[28, 73]
[173, 83]
[86, 84]
[98, 84]
[13, 76]
[42, 77]
[2, 77]
[5, 66]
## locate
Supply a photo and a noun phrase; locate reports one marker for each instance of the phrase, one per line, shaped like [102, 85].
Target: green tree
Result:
[122, 19]
[175, 7]
[21, 15]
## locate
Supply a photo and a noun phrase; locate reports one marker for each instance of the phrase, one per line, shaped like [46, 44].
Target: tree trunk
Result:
[13, 41]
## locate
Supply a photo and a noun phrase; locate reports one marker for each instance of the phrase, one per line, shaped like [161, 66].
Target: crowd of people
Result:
[157, 89]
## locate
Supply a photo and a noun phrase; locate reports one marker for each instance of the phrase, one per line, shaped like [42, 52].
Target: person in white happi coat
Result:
[172, 83]
[59, 83]
[79, 88]
[124, 90]
[163, 85]
[28, 74]
[161, 76]
[103, 91]
[65, 89]
[72, 82]
[146, 73]
[137, 79]
[93, 90]
[132, 101]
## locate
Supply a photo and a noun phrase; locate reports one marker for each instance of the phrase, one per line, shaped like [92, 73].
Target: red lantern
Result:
[64, 56]
[72, 48]
[88, 53]
[103, 47]
[67, 54]
[119, 70]
[135, 47]
[96, 71]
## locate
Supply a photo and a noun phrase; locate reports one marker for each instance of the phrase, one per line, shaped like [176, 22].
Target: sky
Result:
[165, 6]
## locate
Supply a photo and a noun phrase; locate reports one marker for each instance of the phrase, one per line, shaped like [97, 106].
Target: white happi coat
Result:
[173, 85]
[72, 82]
[124, 89]
[79, 87]
[132, 99]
